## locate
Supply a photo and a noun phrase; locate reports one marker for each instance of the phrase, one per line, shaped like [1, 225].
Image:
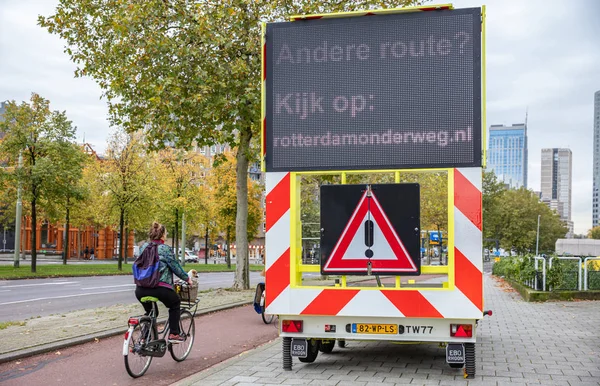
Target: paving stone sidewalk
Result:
[554, 343]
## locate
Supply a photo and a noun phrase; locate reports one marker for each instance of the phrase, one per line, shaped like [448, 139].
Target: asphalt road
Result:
[219, 336]
[23, 299]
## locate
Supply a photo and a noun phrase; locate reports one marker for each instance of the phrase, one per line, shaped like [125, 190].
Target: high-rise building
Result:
[595, 197]
[507, 154]
[556, 182]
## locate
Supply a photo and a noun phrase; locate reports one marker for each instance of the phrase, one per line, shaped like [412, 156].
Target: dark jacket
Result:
[168, 265]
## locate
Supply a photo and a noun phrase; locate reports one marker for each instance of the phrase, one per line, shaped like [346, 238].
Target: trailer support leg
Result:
[287, 355]
[469, 360]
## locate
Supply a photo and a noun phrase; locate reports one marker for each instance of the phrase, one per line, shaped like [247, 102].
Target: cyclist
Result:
[165, 292]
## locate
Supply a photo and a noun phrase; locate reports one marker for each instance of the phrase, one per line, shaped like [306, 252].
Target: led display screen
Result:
[374, 92]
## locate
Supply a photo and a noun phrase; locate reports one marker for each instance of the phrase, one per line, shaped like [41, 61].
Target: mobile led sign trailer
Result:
[398, 90]
[374, 100]
[364, 231]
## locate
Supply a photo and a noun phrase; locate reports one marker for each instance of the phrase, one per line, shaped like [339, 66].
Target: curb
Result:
[531, 295]
[196, 378]
[47, 347]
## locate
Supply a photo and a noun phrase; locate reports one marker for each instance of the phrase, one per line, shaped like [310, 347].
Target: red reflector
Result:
[461, 330]
[126, 334]
[133, 321]
[291, 325]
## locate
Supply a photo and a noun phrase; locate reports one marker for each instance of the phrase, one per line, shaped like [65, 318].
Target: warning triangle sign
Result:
[369, 232]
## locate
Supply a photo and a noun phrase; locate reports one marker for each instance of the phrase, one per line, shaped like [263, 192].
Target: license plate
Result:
[367, 328]
[299, 348]
[455, 353]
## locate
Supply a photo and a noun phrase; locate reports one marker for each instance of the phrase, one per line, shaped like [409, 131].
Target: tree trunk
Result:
[228, 258]
[66, 240]
[79, 241]
[206, 246]
[33, 236]
[176, 233]
[241, 220]
[121, 226]
[126, 243]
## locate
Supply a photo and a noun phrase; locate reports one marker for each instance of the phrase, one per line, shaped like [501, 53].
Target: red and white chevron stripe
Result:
[464, 301]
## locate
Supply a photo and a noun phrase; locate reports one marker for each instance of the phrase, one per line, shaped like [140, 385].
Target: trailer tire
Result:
[313, 351]
[327, 346]
[341, 343]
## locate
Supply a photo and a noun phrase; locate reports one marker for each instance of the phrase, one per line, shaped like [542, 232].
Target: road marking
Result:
[39, 284]
[62, 297]
[109, 286]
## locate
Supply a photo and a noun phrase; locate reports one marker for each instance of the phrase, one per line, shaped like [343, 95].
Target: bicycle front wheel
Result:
[180, 351]
[267, 318]
[136, 363]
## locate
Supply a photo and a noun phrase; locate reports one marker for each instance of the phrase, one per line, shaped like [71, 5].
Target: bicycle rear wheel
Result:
[180, 351]
[136, 364]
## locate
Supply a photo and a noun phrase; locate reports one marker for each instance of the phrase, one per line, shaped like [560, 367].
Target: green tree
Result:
[222, 180]
[517, 212]
[183, 70]
[492, 191]
[181, 190]
[42, 136]
[68, 188]
[125, 181]
[594, 233]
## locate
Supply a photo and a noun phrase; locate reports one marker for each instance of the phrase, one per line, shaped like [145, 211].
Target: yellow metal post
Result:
[263, 100]
[451, 230]
[295, 231]
[483, 89]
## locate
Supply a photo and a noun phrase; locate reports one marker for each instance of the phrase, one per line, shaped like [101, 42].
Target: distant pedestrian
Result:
[86, 252]
[92, 257]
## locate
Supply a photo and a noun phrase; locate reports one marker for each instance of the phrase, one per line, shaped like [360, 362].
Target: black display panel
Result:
[376, 224]
[374, 92]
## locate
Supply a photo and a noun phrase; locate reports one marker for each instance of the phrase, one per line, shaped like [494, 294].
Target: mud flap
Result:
[127, 340]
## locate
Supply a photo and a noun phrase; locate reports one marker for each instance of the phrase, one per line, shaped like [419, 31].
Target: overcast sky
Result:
[542, 56]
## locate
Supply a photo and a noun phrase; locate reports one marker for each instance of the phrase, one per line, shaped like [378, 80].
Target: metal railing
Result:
[579, 273]
[585, 269]
[536, 286]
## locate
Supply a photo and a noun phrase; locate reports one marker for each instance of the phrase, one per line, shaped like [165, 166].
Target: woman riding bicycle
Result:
[165, 292]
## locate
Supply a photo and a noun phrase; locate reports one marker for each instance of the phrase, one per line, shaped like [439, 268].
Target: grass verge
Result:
[4, 325]
[91, 269]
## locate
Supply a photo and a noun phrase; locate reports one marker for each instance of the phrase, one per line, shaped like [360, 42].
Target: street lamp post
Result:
[183, 239]
[537, 241]
[18, 219]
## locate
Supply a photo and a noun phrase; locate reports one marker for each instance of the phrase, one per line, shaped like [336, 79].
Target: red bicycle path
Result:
[219, 336]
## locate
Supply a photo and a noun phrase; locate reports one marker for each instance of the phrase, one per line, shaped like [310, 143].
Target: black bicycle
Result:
[142, 342]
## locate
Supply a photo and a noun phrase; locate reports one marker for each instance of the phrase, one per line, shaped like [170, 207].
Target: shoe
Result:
[173, 338]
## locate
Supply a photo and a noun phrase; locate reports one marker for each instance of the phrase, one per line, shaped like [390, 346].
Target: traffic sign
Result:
[369, 241]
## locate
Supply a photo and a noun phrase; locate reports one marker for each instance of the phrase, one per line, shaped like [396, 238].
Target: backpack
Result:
[146, 267]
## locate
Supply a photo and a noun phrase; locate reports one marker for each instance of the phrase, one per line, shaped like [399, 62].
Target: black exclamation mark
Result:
[369, 231]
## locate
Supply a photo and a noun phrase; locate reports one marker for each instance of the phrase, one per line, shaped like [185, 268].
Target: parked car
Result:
[190, 257]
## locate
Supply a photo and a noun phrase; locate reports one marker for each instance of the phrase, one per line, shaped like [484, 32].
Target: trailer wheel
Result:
[327, 346]
[341, 343]
[313, 351]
